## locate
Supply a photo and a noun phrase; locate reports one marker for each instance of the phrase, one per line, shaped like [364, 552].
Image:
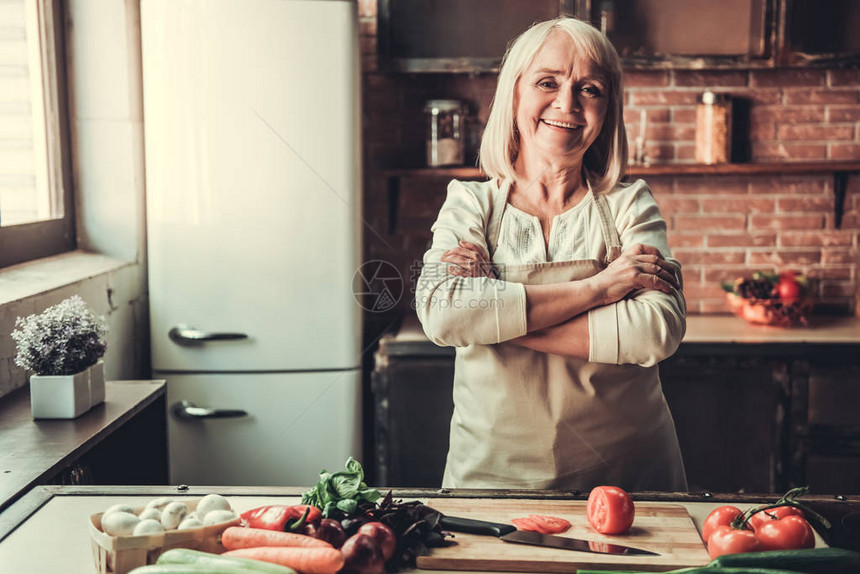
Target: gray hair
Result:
[606, 159]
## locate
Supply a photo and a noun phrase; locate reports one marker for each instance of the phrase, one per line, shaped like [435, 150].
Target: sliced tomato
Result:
[609, 510]
[549, 524]
[525, 524]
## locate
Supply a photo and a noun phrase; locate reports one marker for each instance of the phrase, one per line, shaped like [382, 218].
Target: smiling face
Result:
[560, 103]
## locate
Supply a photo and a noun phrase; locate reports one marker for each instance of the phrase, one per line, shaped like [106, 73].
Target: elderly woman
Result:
[554, 282]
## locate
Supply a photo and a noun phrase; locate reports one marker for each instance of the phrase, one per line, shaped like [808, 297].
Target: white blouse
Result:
[642, 328]
[521, 239]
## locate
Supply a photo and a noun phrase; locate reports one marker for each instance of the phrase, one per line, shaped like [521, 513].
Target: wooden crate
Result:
[121, 554]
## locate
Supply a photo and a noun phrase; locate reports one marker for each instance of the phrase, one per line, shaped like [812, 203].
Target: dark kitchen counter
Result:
[35, 452]
[802, 382]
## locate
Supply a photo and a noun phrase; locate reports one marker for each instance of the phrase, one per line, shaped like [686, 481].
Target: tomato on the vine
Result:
[728, 540]
[790, 532]
[720, 516]
[772, 514]
[609, 509]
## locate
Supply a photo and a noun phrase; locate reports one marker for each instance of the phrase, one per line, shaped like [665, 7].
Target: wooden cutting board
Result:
[659, 527]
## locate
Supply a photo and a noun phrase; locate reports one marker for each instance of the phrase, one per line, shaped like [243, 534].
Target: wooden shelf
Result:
[839, 169]
[33, 451]
[663, 169]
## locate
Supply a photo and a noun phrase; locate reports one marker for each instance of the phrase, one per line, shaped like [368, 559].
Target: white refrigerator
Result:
[252, 135]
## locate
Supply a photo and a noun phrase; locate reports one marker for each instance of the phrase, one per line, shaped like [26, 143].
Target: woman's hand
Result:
[639, 267]
[468, 260]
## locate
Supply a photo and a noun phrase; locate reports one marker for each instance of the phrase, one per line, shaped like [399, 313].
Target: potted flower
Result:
[63, 346]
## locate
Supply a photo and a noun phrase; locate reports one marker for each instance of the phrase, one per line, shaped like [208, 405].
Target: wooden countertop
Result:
[731, 329]
[58, 520]
[726, 332]
[32, 451]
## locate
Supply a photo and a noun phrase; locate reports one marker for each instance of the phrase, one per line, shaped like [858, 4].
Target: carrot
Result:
[305, 560]
[237, 537]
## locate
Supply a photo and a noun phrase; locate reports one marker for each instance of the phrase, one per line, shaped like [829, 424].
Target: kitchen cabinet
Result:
[825, 447]
[728, 412]
[681, 34]
[412, 385]
[820, 33]
[756, 409]
[417, 36]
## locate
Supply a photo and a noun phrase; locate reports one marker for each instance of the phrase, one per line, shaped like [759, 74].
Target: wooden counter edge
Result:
[37, 497]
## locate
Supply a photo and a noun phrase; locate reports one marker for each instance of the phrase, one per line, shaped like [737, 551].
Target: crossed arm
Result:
[556, 314]
[632, 312]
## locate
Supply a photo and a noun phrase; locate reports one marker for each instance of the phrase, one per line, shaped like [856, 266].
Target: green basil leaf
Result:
[370, 494]
[354, 466]
[346, 485]
[347, 505]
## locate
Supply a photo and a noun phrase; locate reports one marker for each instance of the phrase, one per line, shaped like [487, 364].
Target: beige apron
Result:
[533, 420]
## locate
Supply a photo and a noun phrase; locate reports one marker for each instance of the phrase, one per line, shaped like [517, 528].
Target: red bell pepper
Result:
[281, 518]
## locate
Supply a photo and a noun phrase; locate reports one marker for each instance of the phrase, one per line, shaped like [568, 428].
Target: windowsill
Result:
[43, 275]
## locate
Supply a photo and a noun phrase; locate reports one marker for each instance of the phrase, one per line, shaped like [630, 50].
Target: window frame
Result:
[28, 241]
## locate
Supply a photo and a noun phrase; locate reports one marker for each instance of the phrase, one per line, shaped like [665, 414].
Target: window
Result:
[36, 210]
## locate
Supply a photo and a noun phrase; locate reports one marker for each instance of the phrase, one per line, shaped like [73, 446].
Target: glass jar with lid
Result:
[446, 135]
[713, 128]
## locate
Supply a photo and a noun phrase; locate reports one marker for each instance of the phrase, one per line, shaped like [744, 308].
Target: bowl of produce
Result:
[780, 300]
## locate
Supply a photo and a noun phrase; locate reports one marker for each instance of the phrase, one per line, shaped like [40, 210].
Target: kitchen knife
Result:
[509, 533]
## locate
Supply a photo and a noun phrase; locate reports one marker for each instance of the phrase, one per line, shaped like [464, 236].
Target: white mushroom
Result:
[189, 523]
[152, 513]
[148, 526]
[173, 515]
[211, 502]
[218, 516]
[119, 508]
[119, 523]
[159, 503]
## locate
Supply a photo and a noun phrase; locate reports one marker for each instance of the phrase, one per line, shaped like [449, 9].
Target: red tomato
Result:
[549, 524]
[728, 540]
[771, 514]
[791, 532]
[720, 516]
[609, 509]
[788, 288]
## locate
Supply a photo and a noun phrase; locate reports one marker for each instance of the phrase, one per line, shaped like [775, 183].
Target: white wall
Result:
[106, 116]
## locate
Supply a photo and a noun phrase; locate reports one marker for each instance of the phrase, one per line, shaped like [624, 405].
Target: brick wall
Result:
[719, 226]
[785, 115]
[722, 227]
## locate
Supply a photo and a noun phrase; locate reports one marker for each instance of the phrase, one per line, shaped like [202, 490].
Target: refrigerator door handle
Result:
[189, 411]
[185, 335]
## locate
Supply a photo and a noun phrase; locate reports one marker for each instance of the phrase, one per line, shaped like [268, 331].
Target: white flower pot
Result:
[97, 383]
[66, 396]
